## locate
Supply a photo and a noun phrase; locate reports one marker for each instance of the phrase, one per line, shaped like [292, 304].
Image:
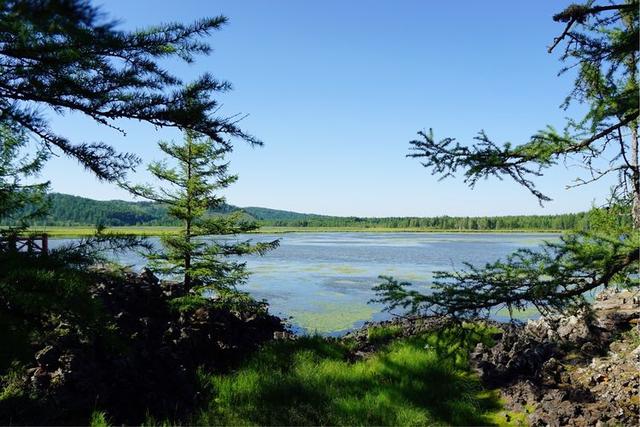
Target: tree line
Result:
[514, 222]
[68, 210]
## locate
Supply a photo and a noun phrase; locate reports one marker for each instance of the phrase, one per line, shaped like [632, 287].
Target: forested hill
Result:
[67, 210]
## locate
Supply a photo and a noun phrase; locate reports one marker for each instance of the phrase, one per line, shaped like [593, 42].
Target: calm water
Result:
[323, 280]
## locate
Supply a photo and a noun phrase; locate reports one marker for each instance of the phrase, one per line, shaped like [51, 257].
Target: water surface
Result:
[323, 281]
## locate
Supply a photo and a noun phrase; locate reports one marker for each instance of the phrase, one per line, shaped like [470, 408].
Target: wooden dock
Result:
[34, 244]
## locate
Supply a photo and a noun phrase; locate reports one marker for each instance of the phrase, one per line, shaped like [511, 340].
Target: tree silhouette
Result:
[65, 56]
[602, 43]
[190, 191]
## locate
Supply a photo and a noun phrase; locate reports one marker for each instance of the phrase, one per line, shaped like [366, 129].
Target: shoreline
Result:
[85, 231]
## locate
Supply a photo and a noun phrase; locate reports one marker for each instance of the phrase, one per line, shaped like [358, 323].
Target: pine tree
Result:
[206, 262]
[20, 202]
[601, 41]
[64, 56]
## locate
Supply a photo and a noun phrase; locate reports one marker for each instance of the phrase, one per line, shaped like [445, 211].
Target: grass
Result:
[422, 380]
[511, 418]
[89, 231]
[633, 336]
[99, 419]
[311, 381]
[381, 334]
[83, 231]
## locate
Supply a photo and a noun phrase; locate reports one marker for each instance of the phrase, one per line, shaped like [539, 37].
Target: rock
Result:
[146, 275]
[517, 355]
[590, 376]
[540, 329]
[146, 362]
[47, 357]
[635, 356]
[283, 335]
[551, 370]
[40, 379]
[574, 329]
[172, 289]
[479, 353]
[589, 348]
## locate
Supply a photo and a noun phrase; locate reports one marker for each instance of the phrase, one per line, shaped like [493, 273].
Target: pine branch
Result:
[63, 56]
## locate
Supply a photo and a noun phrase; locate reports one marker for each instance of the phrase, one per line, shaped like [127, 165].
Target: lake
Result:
[323, 281]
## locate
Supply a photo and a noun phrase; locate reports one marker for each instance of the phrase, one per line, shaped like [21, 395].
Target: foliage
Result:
[603, 43]
[449, 223]
[311, 382]
[38, 294]
[381, 334]
[67, 210]
[207, 266]
[66, 56]
[99, 419]
[605, 50]
[20, 203]
[553, 277]
[41, 293]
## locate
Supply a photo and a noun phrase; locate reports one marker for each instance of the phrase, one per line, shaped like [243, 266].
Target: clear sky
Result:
[336, 89]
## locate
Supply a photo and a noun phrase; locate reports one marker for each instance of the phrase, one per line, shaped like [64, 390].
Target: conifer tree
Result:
[20, 201]
[191, 192]
[601, 42]
[66, 56]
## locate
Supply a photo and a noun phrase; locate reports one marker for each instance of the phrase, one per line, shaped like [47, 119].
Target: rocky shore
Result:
[578, 370]
[142, 361]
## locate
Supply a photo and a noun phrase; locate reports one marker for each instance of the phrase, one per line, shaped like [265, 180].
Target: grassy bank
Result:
[83, 231]
[422, 380]
[73, 231]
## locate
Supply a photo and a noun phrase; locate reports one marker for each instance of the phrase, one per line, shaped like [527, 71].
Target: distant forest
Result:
[67, 210]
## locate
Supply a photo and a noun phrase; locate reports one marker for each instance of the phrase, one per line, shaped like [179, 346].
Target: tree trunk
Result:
[187, 274]
[187, 255]
[635, 176]
[632, 66]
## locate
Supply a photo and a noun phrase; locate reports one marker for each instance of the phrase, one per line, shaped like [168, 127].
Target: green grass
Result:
[99, 419]
[83, 231]
[633, 336]
[89, 231]
[511, 418]
[381, 334]
[417, 381]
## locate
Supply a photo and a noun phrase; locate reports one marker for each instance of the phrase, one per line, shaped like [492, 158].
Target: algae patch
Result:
[328, 317]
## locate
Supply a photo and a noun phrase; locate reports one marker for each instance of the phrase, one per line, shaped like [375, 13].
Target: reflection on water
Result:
[323, 280]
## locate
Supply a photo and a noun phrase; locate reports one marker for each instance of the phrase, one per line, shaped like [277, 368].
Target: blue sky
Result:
[336, 89]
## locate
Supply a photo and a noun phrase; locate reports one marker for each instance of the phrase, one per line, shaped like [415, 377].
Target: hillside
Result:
[68, 210]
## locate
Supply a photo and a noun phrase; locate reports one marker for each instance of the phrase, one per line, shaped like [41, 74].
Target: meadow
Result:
[85, 231]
